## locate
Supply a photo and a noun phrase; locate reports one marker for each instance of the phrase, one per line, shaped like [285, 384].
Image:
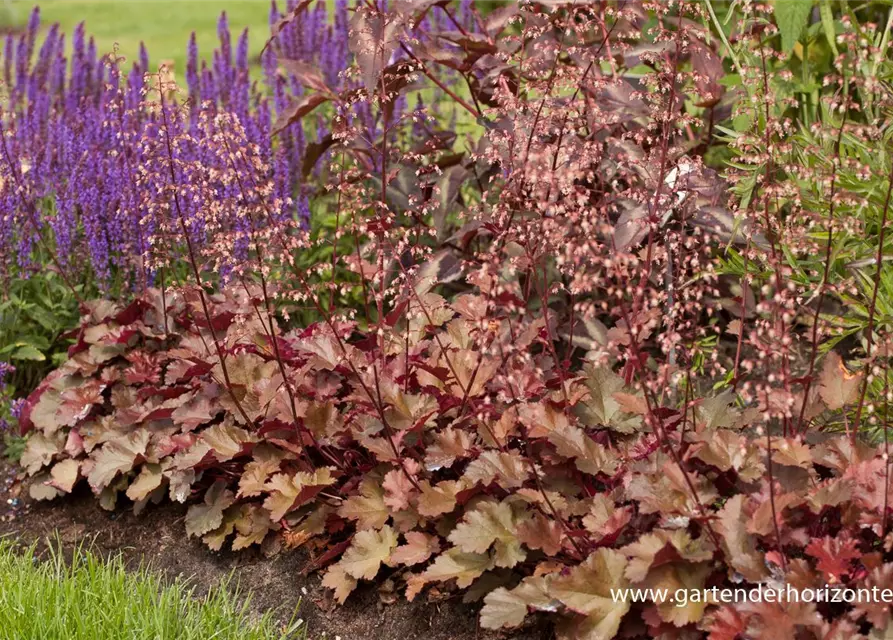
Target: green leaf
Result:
[28, 352]
[828, 24]
[791, 16]
[44, 318]
[38, 341]
[730, 80]
[742, 122]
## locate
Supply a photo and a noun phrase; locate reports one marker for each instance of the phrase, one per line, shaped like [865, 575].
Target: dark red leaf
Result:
[298, 110]
[162, 392]
[307, 74]
[328, 557]
[314, 152]
[132, 312]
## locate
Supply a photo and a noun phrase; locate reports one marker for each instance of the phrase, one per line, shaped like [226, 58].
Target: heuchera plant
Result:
[449, 472]
[576, 365]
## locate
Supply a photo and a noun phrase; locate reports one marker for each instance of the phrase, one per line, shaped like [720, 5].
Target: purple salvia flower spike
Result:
[192, 77]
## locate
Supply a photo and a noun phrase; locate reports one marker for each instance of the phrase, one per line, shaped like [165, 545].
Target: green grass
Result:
[164, 25]
[91, 599]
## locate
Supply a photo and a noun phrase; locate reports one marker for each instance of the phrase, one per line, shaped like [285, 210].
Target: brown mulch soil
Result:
[157, 537]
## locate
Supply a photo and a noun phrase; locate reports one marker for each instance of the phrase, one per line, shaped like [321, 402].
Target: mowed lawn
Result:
[164, 25]
[81, 597]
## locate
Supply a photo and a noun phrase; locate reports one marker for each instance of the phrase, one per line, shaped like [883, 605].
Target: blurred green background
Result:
[164, 25]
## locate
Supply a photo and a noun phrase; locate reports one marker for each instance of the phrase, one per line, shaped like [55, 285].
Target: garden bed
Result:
[581, 310]
[277, 584]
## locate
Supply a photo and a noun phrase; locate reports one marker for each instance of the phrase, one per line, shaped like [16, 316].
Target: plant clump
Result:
[549, 494]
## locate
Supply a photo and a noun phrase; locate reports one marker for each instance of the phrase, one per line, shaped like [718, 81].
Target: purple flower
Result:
[77, 165]
[5, 370]
[192, 77]
[16, 406]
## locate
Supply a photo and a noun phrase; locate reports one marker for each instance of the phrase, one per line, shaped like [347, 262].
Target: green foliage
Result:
[813, 194]
[328, 240]
[163, 25]
[35, 314]
[792, 16]
[13, 446]
[82, 597]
